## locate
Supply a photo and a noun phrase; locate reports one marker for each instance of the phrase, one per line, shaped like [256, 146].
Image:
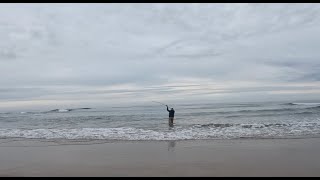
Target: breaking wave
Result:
[199, 131]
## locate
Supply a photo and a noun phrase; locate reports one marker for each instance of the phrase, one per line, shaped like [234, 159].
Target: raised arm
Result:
[167, 108]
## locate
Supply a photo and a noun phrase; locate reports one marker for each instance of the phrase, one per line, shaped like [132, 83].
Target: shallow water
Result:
[192, 121]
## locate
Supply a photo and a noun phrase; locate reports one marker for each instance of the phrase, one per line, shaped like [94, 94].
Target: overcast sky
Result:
[109, 54]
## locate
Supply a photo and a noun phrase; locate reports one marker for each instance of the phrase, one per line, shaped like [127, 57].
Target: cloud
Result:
[50, 50]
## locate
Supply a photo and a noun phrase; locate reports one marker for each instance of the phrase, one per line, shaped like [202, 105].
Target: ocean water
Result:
[192, 121]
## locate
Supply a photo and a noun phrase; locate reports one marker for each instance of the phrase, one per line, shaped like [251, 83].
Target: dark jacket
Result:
[171, 112]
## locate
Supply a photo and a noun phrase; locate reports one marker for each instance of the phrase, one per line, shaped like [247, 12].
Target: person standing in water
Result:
[171, 115]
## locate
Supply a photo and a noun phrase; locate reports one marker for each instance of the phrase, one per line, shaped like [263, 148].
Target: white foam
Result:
[63, 110]
[127, 133]
[307, 104]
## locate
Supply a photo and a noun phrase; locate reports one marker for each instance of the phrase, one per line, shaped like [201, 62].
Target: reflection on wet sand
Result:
[171, 145]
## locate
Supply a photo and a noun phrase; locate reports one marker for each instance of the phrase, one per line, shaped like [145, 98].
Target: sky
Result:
[67, 55]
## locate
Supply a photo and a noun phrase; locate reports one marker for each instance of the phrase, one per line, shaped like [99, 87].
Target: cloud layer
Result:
[128, 53]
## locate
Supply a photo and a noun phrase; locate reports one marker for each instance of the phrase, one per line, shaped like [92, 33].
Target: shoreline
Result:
[240, 157]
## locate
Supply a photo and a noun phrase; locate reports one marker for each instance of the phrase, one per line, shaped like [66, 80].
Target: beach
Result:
[152, 90]
[240, 157]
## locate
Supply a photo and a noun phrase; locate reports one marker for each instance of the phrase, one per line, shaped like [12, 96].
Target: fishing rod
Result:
[159, 103]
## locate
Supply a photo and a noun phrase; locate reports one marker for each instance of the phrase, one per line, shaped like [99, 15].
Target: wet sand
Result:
[249, 157]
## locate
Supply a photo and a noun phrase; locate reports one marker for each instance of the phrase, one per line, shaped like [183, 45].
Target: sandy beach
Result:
[250, 157]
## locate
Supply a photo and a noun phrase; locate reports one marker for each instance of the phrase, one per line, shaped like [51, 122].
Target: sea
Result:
[144, 123]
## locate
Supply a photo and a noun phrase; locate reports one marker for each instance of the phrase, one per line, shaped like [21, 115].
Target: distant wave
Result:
[289, 104]
[223, 106]
[269, 110]
[60, 110]
[317, 107]
[256, 111]
[280, 109]
[307, 104]
[67, 110]
[303, 113]
[54, 110]
[228, 113]
[269, 114]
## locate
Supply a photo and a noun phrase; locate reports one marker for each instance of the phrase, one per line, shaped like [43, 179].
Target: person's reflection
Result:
[171, 145]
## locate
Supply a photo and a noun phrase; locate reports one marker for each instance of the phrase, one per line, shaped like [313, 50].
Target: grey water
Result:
[150, 122]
